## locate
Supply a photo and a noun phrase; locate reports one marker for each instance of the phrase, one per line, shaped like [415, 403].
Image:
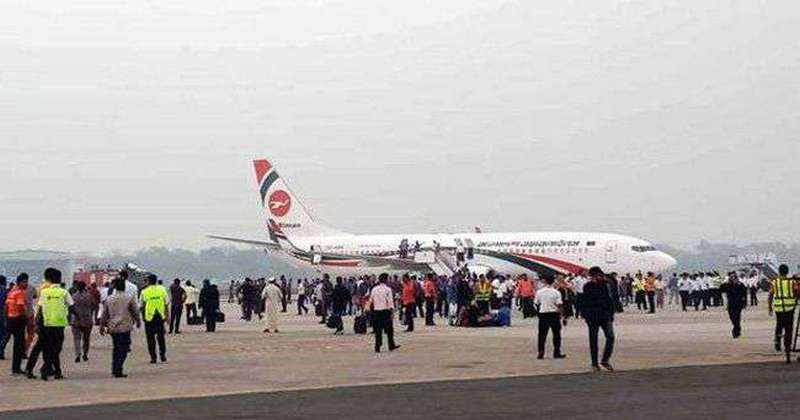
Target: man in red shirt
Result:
[17, 318]
[409, 300]
[430, 291]
[526, 293]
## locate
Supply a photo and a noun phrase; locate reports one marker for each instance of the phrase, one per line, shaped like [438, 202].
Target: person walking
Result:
[672, 289]
[55, 306]
[285, 293]
[782, 301]
[599, 309]
[381, 305]
[119, 315]
[551, 309]
[178, 297]
[684, 289]
[154, 307]
[301, 297]
[752, 284]
[339, 299]
[736, 295]
[83, 321]
[272, 300]
[3, 327]
[526, 293]
[429, 291]
[408, 299]
[650, 291]
[192, 295]
[17, 318]
[232, 291]
[209, 304]
[35, 328]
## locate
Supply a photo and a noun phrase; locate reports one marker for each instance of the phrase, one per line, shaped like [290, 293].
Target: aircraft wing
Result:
[264, 244]
[399, 264]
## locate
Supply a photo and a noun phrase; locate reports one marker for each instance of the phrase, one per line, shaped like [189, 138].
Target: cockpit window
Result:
[643, 248]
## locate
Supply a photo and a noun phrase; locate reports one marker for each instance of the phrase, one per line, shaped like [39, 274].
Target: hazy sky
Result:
[125, 124]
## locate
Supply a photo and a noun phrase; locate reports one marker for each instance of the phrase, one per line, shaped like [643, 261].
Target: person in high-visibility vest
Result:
[782, 300]
[483, 293]
[154, 298]
[55, 307]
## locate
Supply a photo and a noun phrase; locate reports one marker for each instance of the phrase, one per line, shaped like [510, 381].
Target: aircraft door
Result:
[316, 256]
[470, 248]
[611, 252]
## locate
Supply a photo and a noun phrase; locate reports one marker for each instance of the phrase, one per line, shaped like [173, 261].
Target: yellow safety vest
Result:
[783, 295]
[154, 301]
[484, 292]
[54, 307]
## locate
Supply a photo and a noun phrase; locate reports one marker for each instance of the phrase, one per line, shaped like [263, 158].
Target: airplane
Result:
[293, 233]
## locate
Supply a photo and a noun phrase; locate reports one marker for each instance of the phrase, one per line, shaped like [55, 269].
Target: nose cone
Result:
[664, 262]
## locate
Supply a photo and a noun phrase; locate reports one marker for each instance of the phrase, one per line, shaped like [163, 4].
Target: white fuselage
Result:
[506, 253]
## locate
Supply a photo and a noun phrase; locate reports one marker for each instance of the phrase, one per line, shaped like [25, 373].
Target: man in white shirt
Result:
[551, 306]
[130, 288]
[684, 289]
[192, 296]
[579, 282]
[381, 304]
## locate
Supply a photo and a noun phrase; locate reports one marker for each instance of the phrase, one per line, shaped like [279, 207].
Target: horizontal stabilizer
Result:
[264, 244]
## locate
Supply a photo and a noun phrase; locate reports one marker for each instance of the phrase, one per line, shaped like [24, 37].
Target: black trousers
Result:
[382, 322]
[754, 296]
[528, 310]
[706, 298]
[684, 299]
[641, 301]
[784, 327]
[301, 305]
[549, 321]
[651, 301]
[211, 320]
[429, 311]
[16, 330]
[408, 314]
[735, 314]
[121, 347]
[175, 313]
[608, 331]
[578, 304]
[51, 350]
[154, 331]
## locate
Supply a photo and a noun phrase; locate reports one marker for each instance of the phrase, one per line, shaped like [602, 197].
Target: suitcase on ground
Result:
[194, 320]
[360, 324]
[220, 317]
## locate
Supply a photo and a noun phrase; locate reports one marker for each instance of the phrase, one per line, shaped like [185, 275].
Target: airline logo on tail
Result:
[284, 207]
[280, 203]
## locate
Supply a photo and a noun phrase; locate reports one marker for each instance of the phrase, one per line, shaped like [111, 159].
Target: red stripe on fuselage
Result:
[564, 265]
[262, 167]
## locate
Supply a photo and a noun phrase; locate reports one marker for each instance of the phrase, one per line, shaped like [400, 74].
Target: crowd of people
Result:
[35, 319]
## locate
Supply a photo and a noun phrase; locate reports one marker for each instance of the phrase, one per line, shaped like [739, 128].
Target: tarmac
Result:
[239, 366]
[745, 391]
